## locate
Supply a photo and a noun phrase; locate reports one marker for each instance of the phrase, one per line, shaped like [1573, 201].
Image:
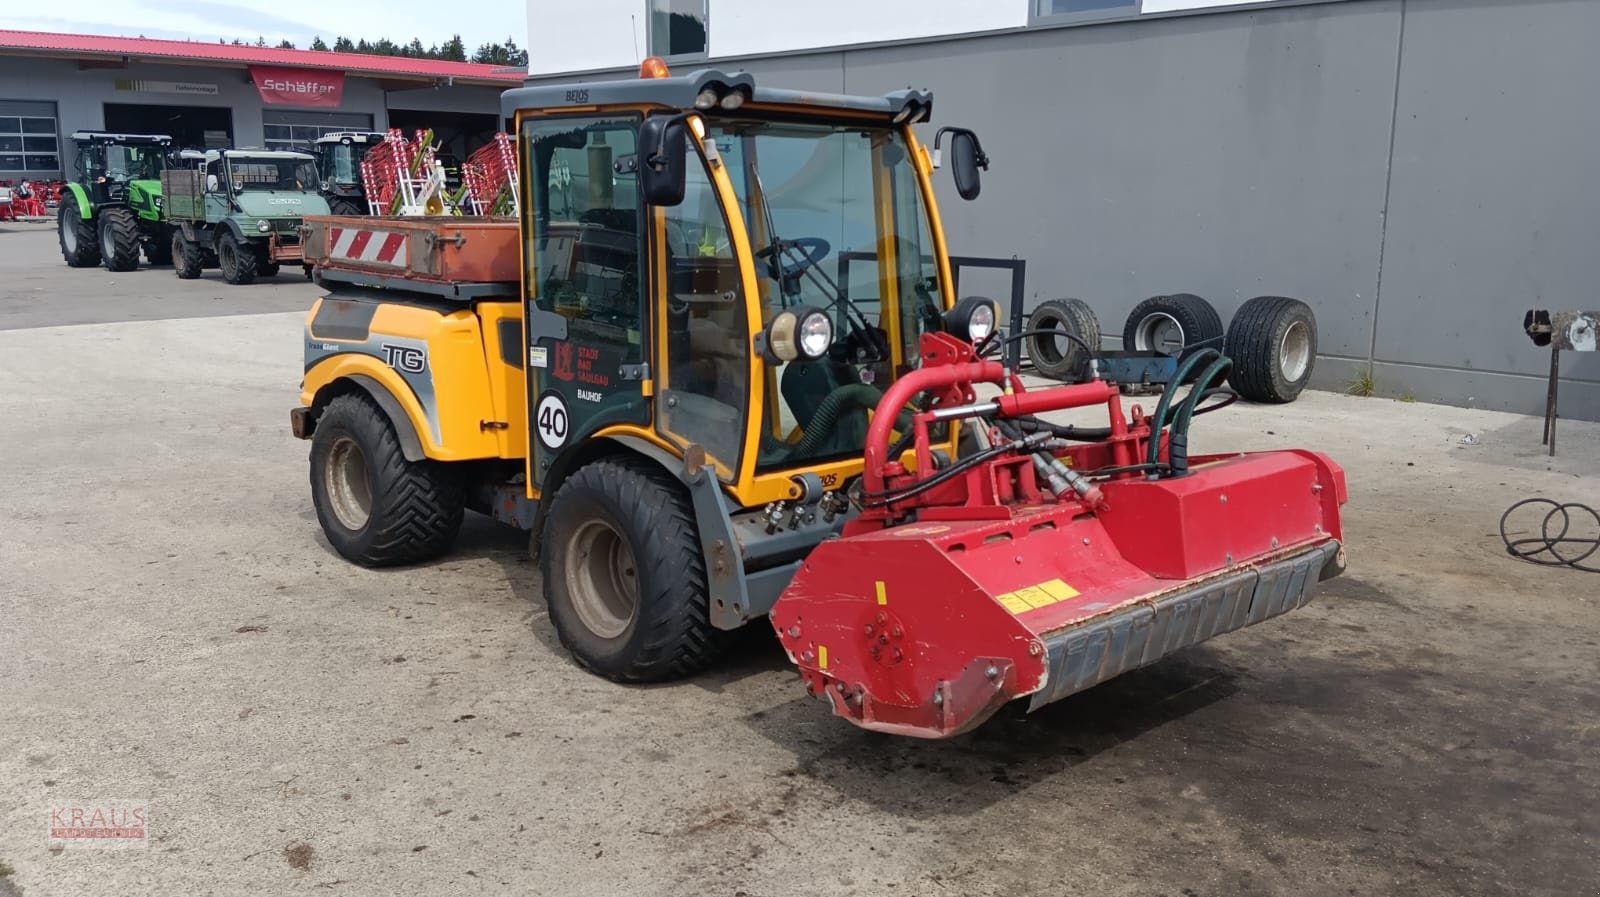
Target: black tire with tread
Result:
[119, 232]
[417, 506]
[1254, 336]
[1202, 326]
[670, 635]
[344, 205]
[188, 257]
[87, 253]
[268, 268]
[1049, 358]
[238, 259]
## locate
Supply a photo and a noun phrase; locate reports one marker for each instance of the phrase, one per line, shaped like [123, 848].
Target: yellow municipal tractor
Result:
[716, 369]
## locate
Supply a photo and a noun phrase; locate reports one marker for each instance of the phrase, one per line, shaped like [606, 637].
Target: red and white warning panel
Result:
[368, 246]
[450, 249]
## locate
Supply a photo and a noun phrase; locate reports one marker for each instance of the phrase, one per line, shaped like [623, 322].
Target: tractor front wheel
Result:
[238, 260]
[119, 239]
[76, 234]
[188, 257]
[343, 205]
[623, 574]
[376, 508]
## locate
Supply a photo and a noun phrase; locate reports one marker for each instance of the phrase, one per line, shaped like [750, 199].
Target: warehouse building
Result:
[1420, 171]
[217, 95]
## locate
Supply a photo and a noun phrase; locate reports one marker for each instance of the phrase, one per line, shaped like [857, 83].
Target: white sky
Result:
[433, 21]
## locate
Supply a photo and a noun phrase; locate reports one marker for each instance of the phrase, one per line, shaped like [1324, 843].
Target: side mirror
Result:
[663, 145]
[967, 157]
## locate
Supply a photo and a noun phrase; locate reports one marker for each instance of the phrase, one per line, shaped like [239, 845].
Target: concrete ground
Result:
[173, 628]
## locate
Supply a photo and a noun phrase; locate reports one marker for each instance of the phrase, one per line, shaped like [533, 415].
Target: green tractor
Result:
[113, 209]
[339, 158]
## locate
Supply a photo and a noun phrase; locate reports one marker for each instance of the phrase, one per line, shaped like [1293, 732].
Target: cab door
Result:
[586, 276]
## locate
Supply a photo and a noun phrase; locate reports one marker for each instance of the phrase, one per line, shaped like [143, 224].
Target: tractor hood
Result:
[281, 204]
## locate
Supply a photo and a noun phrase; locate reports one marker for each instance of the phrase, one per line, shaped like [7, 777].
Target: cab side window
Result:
[587, 231]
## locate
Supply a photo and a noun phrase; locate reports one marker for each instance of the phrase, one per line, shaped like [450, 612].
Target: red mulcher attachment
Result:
[1040, 568]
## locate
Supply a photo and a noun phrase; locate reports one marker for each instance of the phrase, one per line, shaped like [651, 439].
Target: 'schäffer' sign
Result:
[281, 86]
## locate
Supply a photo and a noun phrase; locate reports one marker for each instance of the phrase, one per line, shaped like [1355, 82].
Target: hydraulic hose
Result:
[1159, 420]
[820, 427]
[1178, 444]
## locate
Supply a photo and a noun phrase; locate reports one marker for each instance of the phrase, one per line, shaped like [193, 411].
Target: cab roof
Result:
[258, 154]
[680, 91]
[352, 136]
[130, 139]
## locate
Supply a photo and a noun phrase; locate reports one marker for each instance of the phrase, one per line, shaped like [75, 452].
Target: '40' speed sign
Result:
[551, 420]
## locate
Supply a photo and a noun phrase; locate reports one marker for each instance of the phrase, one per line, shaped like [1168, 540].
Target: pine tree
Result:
[285, 45]
[317, 44]
[454, 50]
[343, 45]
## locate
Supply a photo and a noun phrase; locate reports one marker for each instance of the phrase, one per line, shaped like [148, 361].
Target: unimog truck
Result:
[240, 212]
[113, 209]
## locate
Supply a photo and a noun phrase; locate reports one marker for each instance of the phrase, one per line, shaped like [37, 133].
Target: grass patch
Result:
[1362, 385]
[1409, 397]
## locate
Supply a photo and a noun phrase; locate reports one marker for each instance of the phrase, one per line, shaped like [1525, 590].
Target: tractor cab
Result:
[339, 156]
[732, 269]
[108, 163]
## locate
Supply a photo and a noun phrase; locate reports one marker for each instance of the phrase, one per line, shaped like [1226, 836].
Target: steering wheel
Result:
[780, 264]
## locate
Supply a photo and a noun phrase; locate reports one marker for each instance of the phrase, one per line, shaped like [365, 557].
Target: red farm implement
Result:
[1034, 567]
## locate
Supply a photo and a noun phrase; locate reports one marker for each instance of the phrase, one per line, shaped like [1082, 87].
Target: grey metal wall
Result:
[1419, 171]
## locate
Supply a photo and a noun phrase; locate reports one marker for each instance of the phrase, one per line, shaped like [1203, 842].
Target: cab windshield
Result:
[126, 163]
[340, 162]
[271, 174]
[836, 221]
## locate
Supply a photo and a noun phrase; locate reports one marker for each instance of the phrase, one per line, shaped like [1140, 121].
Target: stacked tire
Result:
[1272, 340]
[1273, 343]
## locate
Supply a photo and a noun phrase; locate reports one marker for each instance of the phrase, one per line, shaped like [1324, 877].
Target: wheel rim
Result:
[602, 579]
[344, 478]
[69, 230]
[226, 259]
[108, 239]
[1159, 331]
[1294, 351]
[177, 249]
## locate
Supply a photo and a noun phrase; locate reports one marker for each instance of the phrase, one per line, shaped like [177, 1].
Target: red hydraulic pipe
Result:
[911, 383]
[1095, 392]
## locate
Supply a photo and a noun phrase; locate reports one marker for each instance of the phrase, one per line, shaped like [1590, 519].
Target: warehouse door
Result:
[190, 127]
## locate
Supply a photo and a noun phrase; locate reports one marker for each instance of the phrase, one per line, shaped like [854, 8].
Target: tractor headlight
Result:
[973, 319]
[802, 333]
[263, 225]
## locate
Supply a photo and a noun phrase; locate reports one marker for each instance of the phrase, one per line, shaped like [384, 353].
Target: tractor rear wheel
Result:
[119, 239]
[1056, 357]
[1273, 343]
[344, 205]
[624, 577]
[375, 507]
[76, 234]
[238, 259]
[188, 257]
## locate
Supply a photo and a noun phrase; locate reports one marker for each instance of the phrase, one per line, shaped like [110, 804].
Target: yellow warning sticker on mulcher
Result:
[1036, 596]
